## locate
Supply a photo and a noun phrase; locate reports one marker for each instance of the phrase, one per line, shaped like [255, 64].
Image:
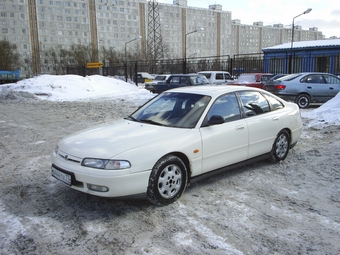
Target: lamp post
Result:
[291, 46]
[185, 47]
[136, 38]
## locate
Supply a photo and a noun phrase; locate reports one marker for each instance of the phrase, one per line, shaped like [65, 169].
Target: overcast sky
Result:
[325, 14]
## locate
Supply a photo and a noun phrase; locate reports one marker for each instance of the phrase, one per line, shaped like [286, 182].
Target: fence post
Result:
[125, 71]
[184, 66]
[136, 77]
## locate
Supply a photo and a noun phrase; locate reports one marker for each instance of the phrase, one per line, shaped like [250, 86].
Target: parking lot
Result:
[287, 208]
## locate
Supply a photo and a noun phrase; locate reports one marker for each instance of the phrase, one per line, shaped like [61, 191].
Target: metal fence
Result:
[236, 65]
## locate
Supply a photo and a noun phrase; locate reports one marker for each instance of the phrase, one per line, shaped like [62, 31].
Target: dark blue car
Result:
[179, 80]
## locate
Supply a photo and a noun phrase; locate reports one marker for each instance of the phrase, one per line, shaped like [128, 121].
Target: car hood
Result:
[111, 139]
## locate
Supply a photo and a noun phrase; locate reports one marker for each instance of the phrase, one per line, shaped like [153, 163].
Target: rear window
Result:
[247, 77]
[290, 77]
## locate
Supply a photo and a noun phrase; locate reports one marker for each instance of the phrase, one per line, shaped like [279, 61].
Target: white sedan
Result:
[180, 134]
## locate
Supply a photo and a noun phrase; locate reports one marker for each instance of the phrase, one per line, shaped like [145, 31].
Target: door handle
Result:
[275, 118]
[331, 88]
[309, 87]
[239, 128]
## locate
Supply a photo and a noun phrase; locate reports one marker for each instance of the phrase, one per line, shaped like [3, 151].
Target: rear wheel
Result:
[280, 147]
[167, 181]
[303, 101]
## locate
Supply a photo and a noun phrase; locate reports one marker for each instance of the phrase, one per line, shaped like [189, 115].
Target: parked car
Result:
[158, 78]
[217, 77]
[305, 88]
[143, 77]
[180, 80]
[176, 137]
[255, 80]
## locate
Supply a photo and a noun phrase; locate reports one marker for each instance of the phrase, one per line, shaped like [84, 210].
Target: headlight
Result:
[106, 163]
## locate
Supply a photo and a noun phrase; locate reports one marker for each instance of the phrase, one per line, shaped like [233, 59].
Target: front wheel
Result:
[280, 147]
[167, 181]
[303, 101]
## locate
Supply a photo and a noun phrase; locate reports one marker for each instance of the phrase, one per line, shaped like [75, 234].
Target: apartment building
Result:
[37, 25]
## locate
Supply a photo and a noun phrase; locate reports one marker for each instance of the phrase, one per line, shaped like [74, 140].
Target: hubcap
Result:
[169, 181]
[303, 102]
[281, 146]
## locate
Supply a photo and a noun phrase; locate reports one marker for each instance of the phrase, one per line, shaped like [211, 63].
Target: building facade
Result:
[37, 25]
[303, 56]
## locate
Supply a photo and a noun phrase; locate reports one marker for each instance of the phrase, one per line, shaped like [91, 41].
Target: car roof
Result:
[181, 74]
[213, 90]
[312, 73]
[213, 72]
[256, 73]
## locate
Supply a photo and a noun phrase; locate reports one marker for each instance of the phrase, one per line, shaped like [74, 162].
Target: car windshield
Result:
[171, 109]
[160, 78]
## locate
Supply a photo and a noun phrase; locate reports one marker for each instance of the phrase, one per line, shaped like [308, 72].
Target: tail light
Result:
[280, 87]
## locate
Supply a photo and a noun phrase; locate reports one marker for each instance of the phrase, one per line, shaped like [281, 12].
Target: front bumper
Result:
[120, 183]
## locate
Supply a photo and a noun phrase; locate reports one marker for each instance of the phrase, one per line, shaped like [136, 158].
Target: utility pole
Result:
[154, 38]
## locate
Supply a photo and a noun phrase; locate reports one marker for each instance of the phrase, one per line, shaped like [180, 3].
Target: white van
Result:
[217, 77]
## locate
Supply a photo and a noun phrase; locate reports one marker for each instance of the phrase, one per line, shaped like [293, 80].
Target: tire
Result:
[167, 181]
[280, 147]
[303, 101]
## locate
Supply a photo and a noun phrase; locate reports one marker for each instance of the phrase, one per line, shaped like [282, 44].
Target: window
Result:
[274, 103]
[315, 78]
[219, 76]
[227, 76]
[253, 103]
[227, 107]
[331, 79]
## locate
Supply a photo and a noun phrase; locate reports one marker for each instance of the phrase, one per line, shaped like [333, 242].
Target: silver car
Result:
[305, 88]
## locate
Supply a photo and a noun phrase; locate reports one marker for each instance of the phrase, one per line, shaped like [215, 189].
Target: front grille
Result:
[68, 157]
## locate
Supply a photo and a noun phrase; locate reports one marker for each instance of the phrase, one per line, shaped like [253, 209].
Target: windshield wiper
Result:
[131, 118]
[151, 122]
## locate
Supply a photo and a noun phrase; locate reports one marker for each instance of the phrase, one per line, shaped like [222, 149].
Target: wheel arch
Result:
[289, 133]
[304, 93]
[185, 160]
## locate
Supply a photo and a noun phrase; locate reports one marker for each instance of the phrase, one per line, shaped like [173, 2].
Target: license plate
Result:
[61, 176]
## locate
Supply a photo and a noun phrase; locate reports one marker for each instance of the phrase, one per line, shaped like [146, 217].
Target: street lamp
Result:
[185, 46]
[136, 38]
[291, 46]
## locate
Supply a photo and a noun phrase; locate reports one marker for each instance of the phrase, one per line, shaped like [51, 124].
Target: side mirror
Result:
[216, 120]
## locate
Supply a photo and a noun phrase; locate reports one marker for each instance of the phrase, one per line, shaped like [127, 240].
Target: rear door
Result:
[333, 84]
[263, 124]
[316, 86]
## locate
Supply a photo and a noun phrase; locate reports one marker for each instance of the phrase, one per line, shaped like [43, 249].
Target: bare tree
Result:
[56, 60]
[110, 56]
[80, 54]
[9, 56]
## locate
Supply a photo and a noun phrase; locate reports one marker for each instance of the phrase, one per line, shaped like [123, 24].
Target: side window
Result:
[253, 103]
[185, 80]
[331, 80]
[219, 76]
[315, 78]
[274, 103]
[227, 76]
[175, 80]
[226, 106]
[266, 77]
